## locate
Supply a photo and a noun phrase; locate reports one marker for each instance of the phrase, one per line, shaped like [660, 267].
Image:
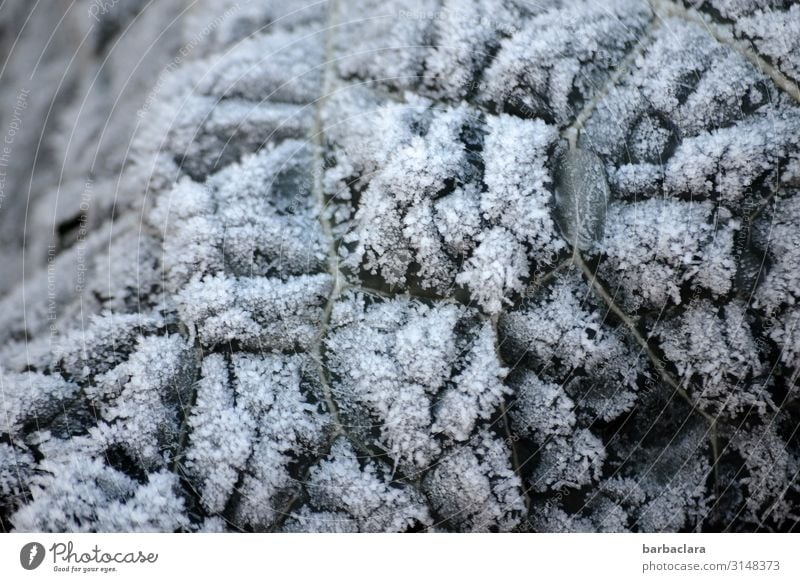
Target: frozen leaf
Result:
[355, 496]
[474, 487]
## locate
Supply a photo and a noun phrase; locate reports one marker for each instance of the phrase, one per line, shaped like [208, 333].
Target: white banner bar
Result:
[357, 557]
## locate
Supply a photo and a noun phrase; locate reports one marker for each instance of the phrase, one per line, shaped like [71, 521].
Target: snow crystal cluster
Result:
[427, 265]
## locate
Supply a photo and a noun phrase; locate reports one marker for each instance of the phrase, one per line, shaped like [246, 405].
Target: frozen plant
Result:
[433, 265]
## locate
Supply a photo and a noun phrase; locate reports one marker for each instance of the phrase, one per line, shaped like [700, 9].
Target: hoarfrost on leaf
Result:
[582, 196]
[355, 494]
[328, 284]
[474, 487]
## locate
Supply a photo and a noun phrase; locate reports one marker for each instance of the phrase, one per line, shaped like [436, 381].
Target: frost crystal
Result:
[654, 248]
[475, 488]
[719, 353]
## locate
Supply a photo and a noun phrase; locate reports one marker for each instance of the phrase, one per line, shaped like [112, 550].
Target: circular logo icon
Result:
[31, 555]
